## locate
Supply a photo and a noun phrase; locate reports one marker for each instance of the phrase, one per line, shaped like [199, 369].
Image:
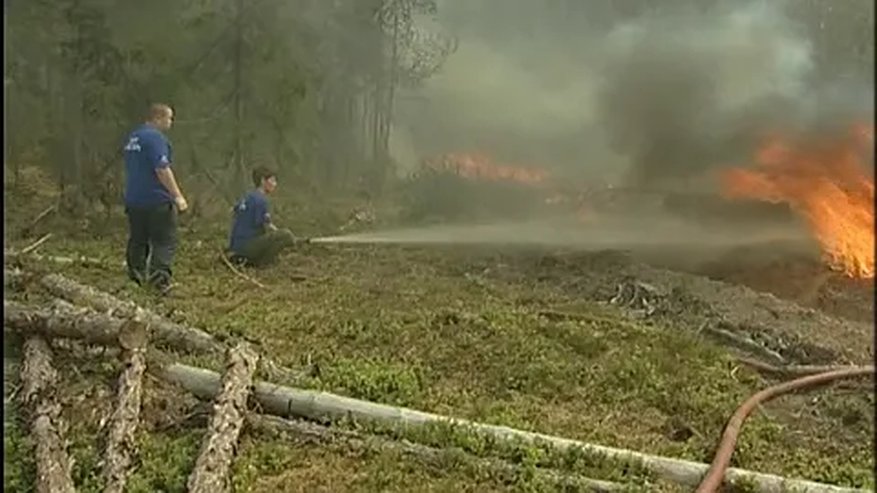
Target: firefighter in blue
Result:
[254, 239]
[152, 201]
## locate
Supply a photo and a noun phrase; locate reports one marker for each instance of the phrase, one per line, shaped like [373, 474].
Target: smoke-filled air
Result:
[651, 108]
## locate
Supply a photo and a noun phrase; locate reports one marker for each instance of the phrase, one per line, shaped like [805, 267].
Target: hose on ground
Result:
[716, 473]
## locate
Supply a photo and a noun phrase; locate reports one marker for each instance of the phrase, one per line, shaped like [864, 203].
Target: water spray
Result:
[608, 234]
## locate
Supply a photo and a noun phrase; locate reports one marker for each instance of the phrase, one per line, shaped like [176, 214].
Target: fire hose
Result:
[716, 473]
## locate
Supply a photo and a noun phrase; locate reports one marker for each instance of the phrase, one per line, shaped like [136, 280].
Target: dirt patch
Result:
[806, 316]
[800, 277]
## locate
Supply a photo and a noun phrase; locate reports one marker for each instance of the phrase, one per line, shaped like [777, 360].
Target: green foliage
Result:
[276, 84]
[19, 467]
[165, 461]
[373, 380]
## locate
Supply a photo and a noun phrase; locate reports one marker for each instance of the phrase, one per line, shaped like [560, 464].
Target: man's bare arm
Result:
[166, 177]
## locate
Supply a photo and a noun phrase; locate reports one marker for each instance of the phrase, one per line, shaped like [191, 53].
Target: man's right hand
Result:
[181, 204]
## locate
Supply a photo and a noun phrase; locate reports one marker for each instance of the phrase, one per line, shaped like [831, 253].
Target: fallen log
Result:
[211, 471]
[317, 433]
[39, 379]
[289, 402]
[121, 441]
[286, 401]
[61, 319]
[168, 333]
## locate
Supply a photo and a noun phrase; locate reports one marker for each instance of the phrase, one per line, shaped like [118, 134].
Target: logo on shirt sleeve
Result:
[164, 160]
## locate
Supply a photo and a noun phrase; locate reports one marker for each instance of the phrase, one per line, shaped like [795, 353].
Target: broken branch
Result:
[238, 273]
[33, 246]
[42, 215]
[12, 255]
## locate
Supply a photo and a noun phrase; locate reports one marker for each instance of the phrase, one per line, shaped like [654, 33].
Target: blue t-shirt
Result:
[250, 217]
[146, 150]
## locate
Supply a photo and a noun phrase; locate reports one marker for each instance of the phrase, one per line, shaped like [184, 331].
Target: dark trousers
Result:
[263, 250]
[152, 239]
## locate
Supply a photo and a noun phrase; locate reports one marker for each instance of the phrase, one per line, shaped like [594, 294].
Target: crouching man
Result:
[255, 240]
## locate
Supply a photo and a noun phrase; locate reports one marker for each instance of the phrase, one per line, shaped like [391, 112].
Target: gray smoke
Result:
[687, 92]
[656, 99]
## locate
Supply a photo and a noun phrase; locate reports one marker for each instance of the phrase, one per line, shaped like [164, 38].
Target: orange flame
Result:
[828, 183]
[481, 167]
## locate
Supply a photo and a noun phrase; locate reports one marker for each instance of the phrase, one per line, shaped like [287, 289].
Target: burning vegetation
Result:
[480, 166]
[825, 180]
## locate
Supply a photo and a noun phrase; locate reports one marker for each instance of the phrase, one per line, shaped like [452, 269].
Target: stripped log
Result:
[288, 402]
[121, 441]
[39, 380]
[211, 471]
[316, 433]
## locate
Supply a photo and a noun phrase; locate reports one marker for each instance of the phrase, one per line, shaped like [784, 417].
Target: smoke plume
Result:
[686, 92]
[652, 98]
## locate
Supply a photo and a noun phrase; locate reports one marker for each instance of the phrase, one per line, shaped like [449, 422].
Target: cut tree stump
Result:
[121, 441]
[211, 473]
[39, 381]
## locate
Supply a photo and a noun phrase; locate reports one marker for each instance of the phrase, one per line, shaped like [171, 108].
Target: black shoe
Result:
[136, 277]
[161, 282]
[165, 290]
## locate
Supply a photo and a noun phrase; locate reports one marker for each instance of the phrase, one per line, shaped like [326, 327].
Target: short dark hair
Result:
[158, 110]
[262, 173]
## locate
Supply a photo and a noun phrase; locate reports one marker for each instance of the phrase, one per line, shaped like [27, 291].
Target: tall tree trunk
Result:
[238, 99]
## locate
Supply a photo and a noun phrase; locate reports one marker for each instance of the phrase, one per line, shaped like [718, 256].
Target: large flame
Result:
[481, 167]
[826, 181]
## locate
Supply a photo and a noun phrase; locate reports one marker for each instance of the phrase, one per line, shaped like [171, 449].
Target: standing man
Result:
[254, 239]
[152, 201]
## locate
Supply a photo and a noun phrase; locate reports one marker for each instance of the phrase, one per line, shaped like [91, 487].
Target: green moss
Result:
[407, 326]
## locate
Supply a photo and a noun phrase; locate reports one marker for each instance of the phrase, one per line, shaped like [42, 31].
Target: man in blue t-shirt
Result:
[254, 239]
[152, 200]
